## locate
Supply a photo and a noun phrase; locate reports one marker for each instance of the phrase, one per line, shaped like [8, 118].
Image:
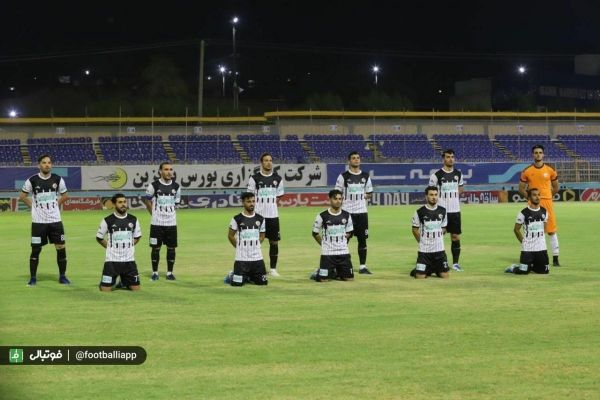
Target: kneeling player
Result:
[246, 233]
[428, 227]
[123, 233]
[529, 230]
[332, 230]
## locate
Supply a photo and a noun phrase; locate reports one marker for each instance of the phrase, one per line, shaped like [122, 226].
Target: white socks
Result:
[554, 244]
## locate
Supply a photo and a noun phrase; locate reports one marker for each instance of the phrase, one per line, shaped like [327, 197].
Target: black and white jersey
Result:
[431, 222]
[164, 197]
[533, 221]
[448, 184]
[120, 232]
[44, 197]
[333, 229]
[355, 187]
[248, 230]
[266, 188]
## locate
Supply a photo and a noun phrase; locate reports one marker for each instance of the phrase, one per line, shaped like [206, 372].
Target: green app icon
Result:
[15, 356]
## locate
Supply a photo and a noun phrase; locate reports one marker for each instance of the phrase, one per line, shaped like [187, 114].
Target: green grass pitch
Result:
[482, 334]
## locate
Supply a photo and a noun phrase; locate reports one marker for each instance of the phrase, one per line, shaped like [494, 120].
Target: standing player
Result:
[357, 188]
[543, 177]
[162, 196]
[123, 232]
[529, 230]
[449, 182]
[246, 233]
[46, 224]
[428, 227]
[332, 230]
[267, 186]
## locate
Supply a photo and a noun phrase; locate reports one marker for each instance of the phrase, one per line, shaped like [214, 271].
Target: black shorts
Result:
[536, 261]
[431, 263]
[126, 270]
[335, 267]
[249, 271]
[454, 224]
[360, 222]
[272, 229]
[41, 234]
[160, 235]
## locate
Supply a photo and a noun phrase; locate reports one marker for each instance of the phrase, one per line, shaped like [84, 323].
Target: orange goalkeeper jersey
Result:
[540, 178]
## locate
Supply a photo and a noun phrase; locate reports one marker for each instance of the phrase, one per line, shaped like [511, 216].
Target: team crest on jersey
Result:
[440, 216]
[545, 175]
[54, 185]
[275, 183]
[362, 180]
[344, 220]
[130, 225]
[257, 223]
[455, 177]
[173, 191]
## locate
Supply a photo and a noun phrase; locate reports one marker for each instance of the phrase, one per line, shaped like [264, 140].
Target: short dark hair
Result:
[247, 195]
[335, 192]
[532, 190]
[447, 151]
[430, 188]
[537, 146]
[352, 153]
[163, 164]
[40, 158]
[116, 196]
[263, 155]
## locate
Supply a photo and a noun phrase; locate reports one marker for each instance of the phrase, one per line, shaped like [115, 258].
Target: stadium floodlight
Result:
[522, 69]
[375, 70]
[222, 70]
[236, 92]
[13, 113]
[87, 72]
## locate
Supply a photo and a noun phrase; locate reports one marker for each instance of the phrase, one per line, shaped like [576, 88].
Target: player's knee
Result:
[455, 237]
[273, 242]
[35, 252]
[59, 246]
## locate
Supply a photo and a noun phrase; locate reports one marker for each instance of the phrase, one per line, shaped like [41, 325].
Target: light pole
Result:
[222, 70]
[375, 70]
[236, 92]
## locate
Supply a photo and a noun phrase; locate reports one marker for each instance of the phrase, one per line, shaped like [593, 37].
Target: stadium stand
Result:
[520, 146]
[63, 150]
[133, 149]
[335, 148]
[405, 147]
[288, 150]
[10, 152]
[584, 146]
[204, 148]
[471, 147]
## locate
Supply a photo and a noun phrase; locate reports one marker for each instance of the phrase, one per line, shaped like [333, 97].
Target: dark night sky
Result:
[416, 43]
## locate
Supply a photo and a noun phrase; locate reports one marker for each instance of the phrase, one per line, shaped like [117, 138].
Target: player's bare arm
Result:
[555, 186]
[102, 242]
[416, 234]
[317, 237]
[261, 236]
[23, 196]
[148, 204]
[231, 237]
[518, 232]
[523, 189]
[63, 197]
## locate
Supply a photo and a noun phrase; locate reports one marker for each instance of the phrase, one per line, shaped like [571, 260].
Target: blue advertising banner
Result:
[14, 177]
[418, 173]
